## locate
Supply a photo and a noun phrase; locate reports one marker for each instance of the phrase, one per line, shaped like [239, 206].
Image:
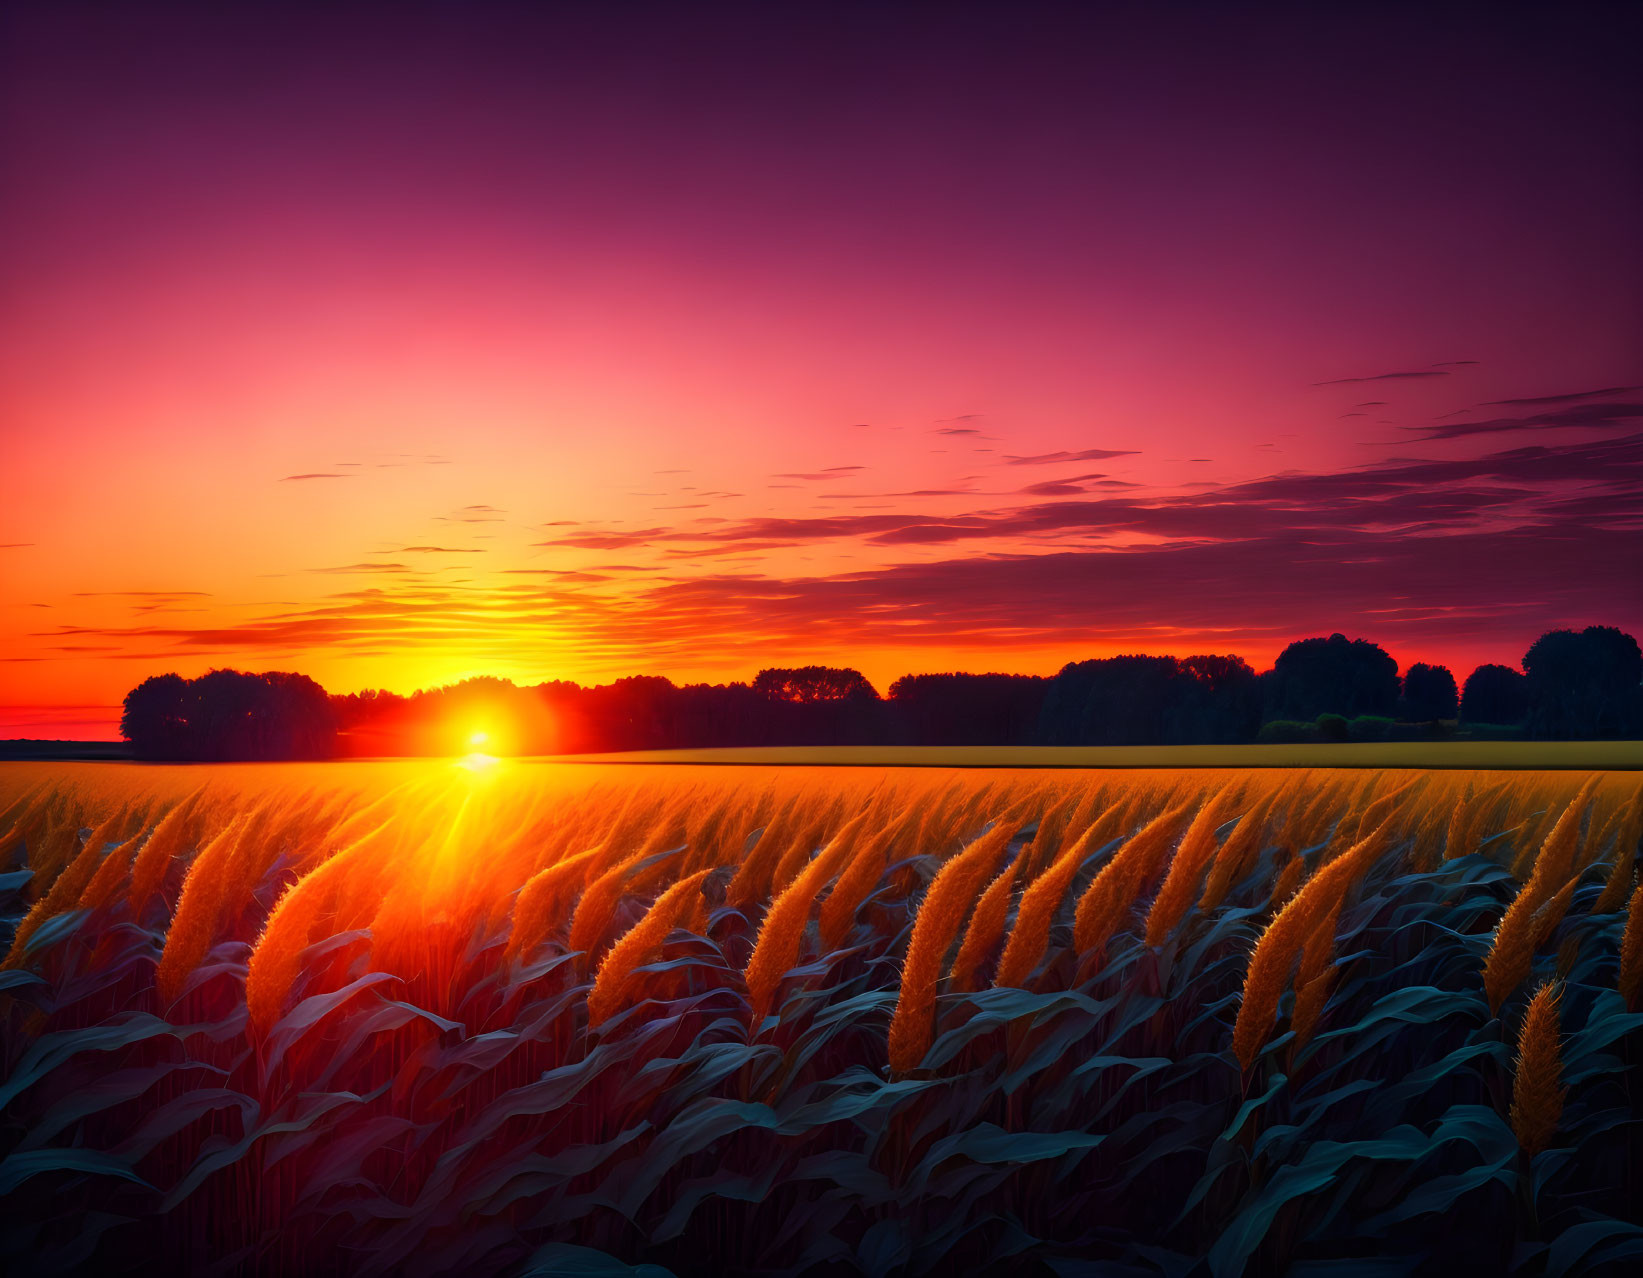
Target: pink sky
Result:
[395, 352]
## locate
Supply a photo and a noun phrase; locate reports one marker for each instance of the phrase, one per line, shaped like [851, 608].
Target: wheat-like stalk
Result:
[105, 884]
[544, 901]
[1289, 878]
[165, 841]
[985, 929]
[640, 944]
[591, 918]
[1519, 933]
[1622, 872]
[1051, 827]
[65, 891]
[783, 928]
[861, 876]
[1380, 811]
[1314, 820]
[1315, 977]
[751, 882]
[1110, 897]
[798, 852]
[940, 916]
[277, 957]
[21, 815]
[1537, 1094]
[205, 892]
[1630, 983]
[1187, 868]
[1030, 936]
[1241, 847]
[1284, 938]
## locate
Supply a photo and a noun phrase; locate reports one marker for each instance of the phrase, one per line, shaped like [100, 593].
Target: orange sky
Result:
[583, 366]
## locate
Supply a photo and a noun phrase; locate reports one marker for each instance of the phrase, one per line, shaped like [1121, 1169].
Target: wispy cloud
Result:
[1412, 376]
[1572, 397]
[1518, 539]
[829, 472]
[1576, 416]
[1086, 454]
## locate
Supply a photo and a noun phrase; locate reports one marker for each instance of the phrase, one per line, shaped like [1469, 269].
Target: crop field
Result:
[527, 1018]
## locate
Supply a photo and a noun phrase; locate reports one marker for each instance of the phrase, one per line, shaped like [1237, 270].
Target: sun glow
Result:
[478, 759]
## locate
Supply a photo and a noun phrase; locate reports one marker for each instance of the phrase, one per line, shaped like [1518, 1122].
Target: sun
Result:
[478, 758]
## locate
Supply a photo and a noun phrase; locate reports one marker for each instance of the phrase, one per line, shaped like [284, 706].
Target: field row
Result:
[421, 1018]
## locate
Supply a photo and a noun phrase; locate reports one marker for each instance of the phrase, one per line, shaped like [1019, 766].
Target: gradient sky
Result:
[399, 346]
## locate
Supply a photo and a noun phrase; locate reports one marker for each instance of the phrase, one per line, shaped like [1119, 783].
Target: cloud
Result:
[1578, 416]
[606, 541]
[142, 594]
[1087, 454]
[563, 574]
[1052, 488]
[830, 472]
[1402, 549]
[1408, 551]
[1397, 494]
[1571, 398]
[436, 550]
[1416, 375]
[14, 545]
[315, 475]
[476, 514]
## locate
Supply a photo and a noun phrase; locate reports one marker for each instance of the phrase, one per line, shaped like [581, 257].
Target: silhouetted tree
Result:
[1222, 703]
[1585, 684]
[820, 705]
[155, 718]
[813, 683]
[1494, 694]
[1331, 676]
[634, 713]
[230, 715]
[966, 709]
[1429, 694]
[1141, 700]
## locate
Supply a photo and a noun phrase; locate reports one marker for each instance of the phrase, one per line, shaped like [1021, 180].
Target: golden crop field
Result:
[516, 1017]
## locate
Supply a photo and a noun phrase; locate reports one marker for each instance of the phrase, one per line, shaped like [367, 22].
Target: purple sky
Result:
[417, 342]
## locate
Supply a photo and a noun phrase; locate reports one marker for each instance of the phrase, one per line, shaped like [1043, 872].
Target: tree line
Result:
[1572, 684]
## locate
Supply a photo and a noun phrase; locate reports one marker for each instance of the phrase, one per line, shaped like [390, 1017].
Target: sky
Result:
[398, 346]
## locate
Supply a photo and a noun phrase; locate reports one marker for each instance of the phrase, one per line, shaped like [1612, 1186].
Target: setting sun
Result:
[478, 739]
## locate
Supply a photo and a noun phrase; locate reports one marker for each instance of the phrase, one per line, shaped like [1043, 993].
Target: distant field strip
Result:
[532, 1018]
[1427, 755]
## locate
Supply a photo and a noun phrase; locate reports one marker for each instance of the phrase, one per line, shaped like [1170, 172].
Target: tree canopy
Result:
[1577, 684]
